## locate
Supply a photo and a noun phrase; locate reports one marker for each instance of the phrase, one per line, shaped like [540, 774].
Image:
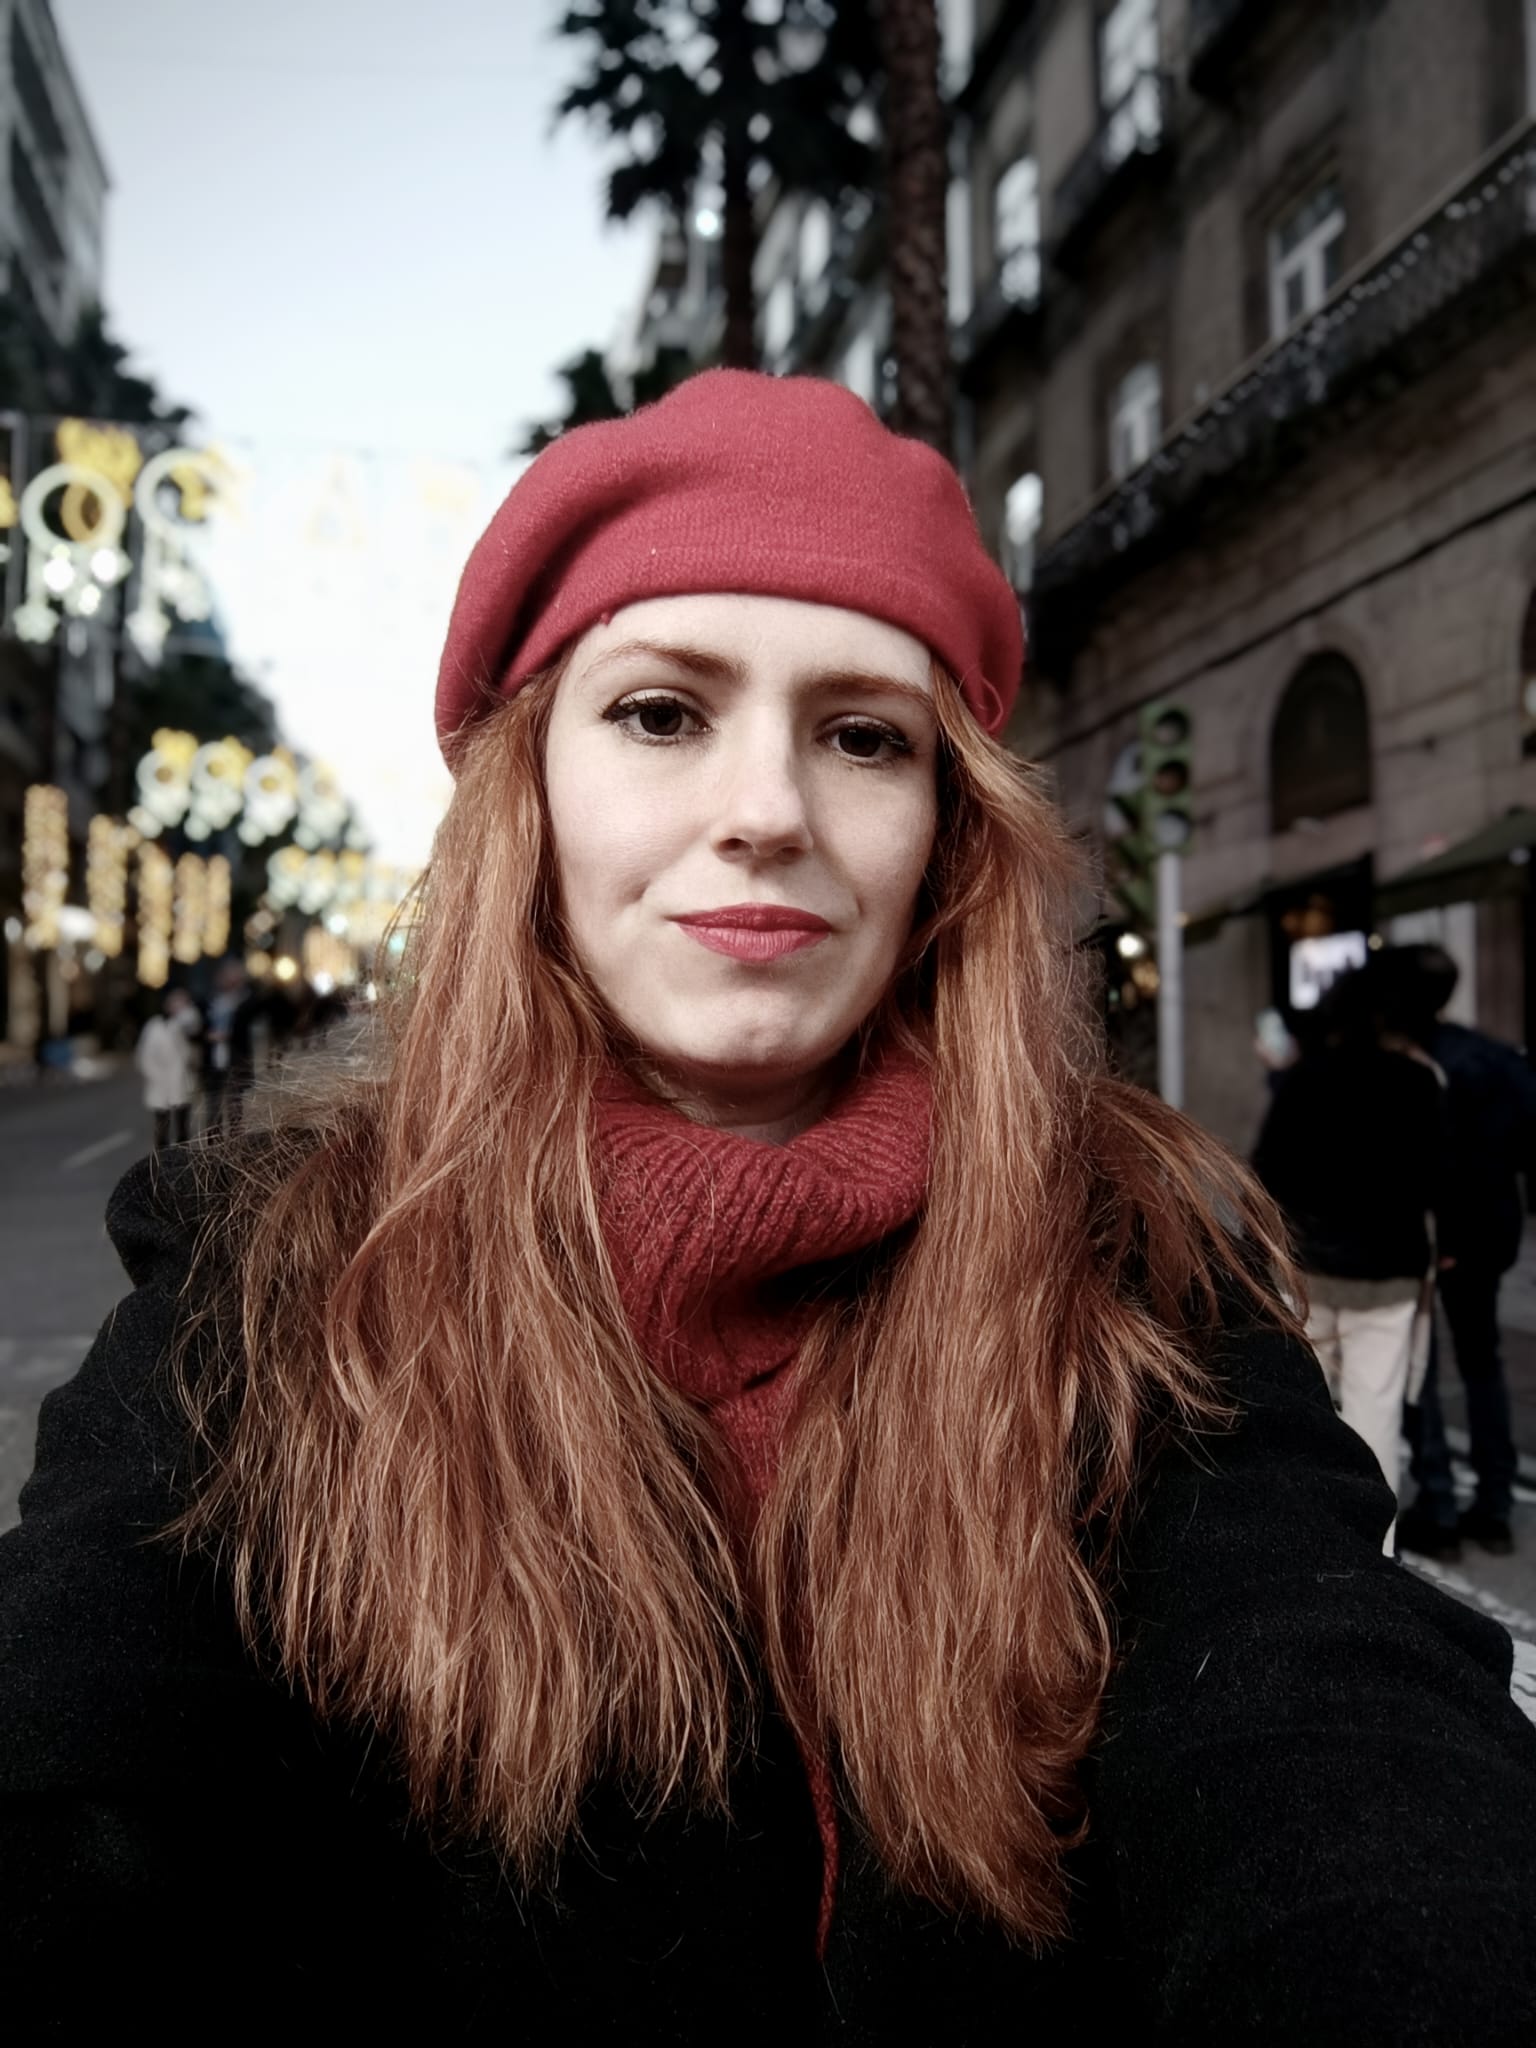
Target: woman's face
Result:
[742, 796]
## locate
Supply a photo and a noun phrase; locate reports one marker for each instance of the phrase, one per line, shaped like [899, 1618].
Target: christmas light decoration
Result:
[217, 784]
[164, 780]
[170, 582]
[72, 564]
[44, 863]
[216, 909]
[271, 796]
[190, 906]
[107, 847]
[329, 962]
[155, 909]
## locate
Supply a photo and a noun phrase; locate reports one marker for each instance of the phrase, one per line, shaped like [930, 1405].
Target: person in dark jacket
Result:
[737, 1485]
[1353, 1148]
[1491, 1098]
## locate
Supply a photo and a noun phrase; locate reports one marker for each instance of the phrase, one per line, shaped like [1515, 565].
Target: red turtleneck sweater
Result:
[698, 1221]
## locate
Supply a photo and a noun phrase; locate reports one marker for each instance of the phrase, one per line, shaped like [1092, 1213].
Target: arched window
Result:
[1320, 750]
[1528, 680]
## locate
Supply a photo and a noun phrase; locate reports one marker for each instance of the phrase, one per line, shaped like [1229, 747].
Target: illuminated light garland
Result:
[216, 908]
[329, 962]
[155, 909]
[190, 908]
[44, 863]
[107, 847]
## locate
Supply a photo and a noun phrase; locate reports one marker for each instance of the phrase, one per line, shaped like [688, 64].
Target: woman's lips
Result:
[741, 942]
[755, 931]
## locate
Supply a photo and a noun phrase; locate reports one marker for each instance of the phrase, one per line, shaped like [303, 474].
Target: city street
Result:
[63, 1147]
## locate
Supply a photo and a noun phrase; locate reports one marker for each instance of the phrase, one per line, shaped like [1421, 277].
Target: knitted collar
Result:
[720, 1244]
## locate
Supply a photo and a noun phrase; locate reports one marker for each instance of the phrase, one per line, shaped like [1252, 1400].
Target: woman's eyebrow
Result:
[710, 666]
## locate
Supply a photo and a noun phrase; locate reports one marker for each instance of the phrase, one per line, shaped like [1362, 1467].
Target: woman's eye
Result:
[870, 743]
[651, 718]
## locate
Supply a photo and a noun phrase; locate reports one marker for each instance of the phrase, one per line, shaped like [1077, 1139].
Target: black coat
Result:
[1491, 1097]
[1313, 1805]
[1354, 1150]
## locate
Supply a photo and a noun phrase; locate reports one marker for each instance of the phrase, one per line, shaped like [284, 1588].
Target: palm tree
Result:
[917, 184]
[591, 395]
[699, 90]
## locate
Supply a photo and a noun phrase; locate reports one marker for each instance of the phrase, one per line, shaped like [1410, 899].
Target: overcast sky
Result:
[342, 231]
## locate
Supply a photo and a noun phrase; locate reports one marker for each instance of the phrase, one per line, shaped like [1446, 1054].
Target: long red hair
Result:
[456, 1503]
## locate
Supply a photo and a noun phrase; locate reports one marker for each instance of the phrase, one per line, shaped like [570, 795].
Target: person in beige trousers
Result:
[1353, 1150]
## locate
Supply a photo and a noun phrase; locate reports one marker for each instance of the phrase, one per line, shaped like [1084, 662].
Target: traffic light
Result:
[1167, 746]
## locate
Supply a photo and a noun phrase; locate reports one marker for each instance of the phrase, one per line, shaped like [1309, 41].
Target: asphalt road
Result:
[64, 1146]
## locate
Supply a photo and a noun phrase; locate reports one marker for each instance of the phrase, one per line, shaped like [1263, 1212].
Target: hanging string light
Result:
[189, 908]
[107, 847]
[155, 903]
[44, 863]
[216, 908]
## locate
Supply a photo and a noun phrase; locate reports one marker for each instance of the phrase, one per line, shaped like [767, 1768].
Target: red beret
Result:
[735, 481]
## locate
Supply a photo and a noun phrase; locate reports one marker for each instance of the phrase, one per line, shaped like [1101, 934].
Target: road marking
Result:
[89, 1152]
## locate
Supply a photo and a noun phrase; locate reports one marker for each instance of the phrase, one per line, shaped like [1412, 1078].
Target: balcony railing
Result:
[1008, 304]
[1217, 31]
[1466, 261]
[1134, 132]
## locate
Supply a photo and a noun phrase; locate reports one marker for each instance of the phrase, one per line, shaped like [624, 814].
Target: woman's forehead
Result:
[739, 632]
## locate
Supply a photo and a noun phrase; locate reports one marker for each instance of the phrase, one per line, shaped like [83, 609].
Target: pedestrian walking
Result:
[1353, 1148]
[229, 1065]
[1491, 1099]
[738, 1484]
[166, 1057]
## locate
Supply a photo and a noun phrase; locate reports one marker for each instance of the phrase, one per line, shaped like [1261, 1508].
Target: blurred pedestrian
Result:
[1353, 1150]
[736, 1483]
[167, 1057]
[1491, 1098]
[229, 1064]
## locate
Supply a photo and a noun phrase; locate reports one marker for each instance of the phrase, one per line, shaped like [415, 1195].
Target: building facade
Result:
[53, 186]
[1250, 373]
[53, 182]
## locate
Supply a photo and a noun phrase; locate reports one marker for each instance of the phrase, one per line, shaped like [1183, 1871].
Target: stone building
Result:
[53, 183]
[53, 187]
[1250, 372]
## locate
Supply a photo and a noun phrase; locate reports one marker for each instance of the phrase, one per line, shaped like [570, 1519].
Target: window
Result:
[1022, 512]
[778, 318]
[1016, 231]
[861, 365]
[1128, 57]
[815, 241]
[1320, 751]
[1528, 681]
[1304, 258]
[1135, 419]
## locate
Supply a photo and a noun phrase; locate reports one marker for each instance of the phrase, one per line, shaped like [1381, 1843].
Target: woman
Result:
[1354, 1151]
[166, 1057]
[740, 1488]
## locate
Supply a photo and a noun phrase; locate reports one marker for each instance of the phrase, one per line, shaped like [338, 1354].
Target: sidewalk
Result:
[1517, 1320]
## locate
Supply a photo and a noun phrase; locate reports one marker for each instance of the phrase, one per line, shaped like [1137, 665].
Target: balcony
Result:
[1465, 263]
[1006, 310]
[1134, 139]
[1218, 29]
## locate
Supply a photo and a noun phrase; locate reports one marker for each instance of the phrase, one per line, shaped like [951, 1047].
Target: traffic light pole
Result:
[1170, 982]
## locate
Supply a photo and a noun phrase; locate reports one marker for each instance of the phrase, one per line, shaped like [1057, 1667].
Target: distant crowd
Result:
[198, 1062]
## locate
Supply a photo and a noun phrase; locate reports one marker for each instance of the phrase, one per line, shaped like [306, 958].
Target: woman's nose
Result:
[761, 807]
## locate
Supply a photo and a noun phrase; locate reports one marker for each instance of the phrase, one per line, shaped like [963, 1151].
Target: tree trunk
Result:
[917, 188]
[738, 249]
